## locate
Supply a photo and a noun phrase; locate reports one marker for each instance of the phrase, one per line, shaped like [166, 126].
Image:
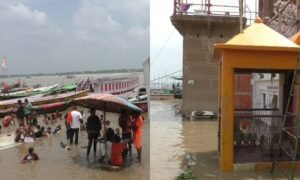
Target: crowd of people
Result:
[115, 144]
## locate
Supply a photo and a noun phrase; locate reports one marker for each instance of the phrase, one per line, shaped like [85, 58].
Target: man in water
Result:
[125, 124]
[118, 152]
[138, 133]
[93, 128]
[20, 113]
[27, 112]
[75, 120]
[8, 119]
[31, 156]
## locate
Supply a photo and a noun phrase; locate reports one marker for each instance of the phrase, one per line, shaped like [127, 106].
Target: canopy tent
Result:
[106, 103]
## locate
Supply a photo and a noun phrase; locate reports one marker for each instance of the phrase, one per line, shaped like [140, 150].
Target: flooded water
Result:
[177, 144]
[57, 163]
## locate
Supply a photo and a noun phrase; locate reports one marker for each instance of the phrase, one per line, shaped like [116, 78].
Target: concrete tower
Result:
[201, 28]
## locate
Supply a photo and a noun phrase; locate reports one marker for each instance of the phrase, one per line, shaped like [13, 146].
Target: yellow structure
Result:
[257, 48]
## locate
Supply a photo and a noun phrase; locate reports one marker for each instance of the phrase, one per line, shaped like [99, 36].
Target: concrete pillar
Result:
[200, 75]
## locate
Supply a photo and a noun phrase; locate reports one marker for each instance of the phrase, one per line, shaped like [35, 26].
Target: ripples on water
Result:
[166, 141]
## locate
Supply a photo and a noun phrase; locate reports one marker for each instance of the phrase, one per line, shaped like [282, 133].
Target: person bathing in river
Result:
[20, 134]
[27, 112]
[20, 113]
[40, 131]
[125, 123]
[34, 118]
[46, 119]
[118, 133]
[8, 120]
[68, 128]
[138, 133]
[118, 152]
[75, 120]
[31, 156]
[109, 136]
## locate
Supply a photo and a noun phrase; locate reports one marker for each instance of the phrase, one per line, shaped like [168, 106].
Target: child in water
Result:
[31, 156]
[34, 118]
[46, 119]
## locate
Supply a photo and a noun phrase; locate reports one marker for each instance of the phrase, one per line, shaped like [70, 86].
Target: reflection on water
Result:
[177, 144]
[58, 163]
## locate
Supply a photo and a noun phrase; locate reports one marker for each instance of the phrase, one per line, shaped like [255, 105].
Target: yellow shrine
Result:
[257, 49]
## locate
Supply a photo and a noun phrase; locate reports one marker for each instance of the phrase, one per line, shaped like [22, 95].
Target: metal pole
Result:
[241, 15]
[105, 144]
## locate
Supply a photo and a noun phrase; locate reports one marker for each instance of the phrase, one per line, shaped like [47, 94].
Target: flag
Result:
[4, 65]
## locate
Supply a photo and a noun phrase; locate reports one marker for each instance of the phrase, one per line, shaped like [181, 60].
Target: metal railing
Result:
[213, 8]
[167, 82]
[256, 135]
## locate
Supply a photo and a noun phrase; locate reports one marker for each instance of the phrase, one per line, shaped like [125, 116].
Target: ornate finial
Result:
[258, 20]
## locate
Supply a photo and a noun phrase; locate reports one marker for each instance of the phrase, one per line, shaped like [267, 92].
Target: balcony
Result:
[226, 8]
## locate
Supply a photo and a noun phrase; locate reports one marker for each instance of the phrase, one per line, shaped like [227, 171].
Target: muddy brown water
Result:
[57, 163]
[177, 144]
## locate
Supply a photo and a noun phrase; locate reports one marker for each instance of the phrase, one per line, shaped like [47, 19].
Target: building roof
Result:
[258, 36]
[296, 38]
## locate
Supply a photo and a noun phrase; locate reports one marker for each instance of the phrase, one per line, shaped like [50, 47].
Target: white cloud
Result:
[101, 35]
[138, 31]
[92, 20]
[24, 12]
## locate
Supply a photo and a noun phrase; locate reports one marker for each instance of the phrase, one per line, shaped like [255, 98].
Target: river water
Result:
[57, 163]
[177, 144]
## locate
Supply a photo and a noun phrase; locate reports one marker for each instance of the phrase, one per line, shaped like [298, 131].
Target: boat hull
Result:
[42, 109]
[40, 100]
[51, 108]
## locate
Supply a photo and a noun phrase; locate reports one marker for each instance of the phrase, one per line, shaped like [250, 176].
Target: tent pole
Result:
[105, 144]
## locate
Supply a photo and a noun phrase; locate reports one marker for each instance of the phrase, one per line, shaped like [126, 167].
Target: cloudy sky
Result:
[61, 35]
[166, 42]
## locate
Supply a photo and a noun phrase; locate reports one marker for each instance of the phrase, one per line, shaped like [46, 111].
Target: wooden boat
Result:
[70, 76]
[63, 89]
[27, 92]
[42, 100]
[41, 109]
[52, 107]
[7, 87]
[140, 101]
[49, 90]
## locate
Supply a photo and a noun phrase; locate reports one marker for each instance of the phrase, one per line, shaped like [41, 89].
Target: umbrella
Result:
[106, 103]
